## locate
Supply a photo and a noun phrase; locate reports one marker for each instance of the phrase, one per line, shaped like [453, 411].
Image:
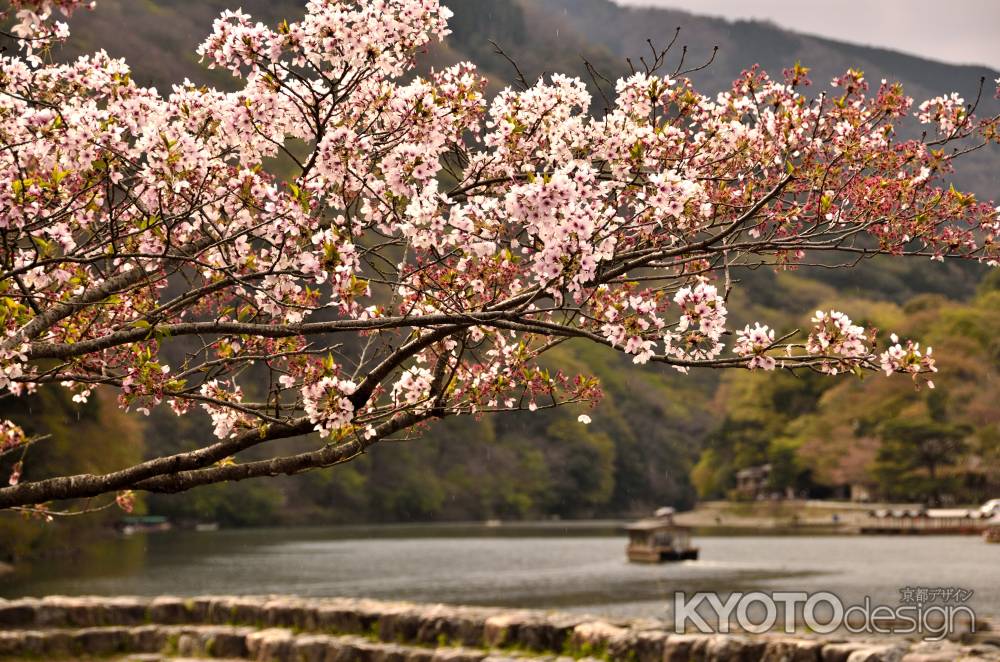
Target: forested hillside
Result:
[658, 437]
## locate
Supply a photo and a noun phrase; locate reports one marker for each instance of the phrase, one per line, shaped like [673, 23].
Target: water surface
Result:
[566, 567]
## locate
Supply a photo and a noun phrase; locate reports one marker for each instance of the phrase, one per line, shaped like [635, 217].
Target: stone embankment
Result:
[351, 630]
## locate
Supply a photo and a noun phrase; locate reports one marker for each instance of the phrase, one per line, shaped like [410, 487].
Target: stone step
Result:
[422, 624]
[153, 643]
[334, 629]
[65, 643]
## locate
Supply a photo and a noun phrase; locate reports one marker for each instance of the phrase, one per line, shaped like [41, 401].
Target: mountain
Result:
[624, 30]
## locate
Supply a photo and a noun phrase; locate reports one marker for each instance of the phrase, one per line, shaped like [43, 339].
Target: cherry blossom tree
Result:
[432, 244]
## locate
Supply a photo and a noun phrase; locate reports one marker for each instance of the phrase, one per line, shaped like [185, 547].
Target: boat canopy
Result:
[654, 524]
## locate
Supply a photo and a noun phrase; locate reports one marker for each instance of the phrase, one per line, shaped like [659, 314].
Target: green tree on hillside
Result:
[917, 453]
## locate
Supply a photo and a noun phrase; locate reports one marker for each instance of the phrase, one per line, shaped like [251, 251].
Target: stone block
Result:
[399, 623]
[190, 644]
[600, 637]
[227, 643]
[286, 613]
[84, 613]
[457, 655]
[347, 649]
[501, 630]
[385, 652]
[419, 655]
[121, 611]
[549, 632]
[876, 654]
[101, 640]
[10, 642]
[648, 645]
[733, 648]
[168, 609]
[198, 608]
[270, 645]
[17, 614]
[341, 618]
[839, 651]
[459, 625]
[246, 611]
[57, 644]
[685, 648]
[51, 612]
[23, 643]
[939, 651]
[792, 650]
[147, 638]
[310, 648]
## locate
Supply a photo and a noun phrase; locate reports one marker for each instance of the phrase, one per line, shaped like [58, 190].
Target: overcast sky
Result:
[957, 31]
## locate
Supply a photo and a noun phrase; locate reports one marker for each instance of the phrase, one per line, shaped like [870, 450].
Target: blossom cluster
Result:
[908, 359]
[837, 339]
[226, 421]
[947, 112]
[702, 323]
[436, 242]
[11, 436]
[327, 405]
[753, 343]
[34, 26]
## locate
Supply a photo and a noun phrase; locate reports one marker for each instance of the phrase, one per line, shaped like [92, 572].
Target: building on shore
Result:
[752, 482]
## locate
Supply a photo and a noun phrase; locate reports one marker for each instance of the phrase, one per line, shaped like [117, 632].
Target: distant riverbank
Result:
[789, 515]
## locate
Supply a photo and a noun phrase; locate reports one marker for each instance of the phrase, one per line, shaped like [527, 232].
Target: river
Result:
[573, 568]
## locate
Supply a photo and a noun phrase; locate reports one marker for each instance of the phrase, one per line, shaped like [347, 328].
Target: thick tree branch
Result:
[88, 485]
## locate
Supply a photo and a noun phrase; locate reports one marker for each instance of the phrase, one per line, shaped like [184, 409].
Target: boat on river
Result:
[142, 524]
[658, 539]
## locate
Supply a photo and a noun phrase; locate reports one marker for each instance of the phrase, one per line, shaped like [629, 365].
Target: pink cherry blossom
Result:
[431, 244]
